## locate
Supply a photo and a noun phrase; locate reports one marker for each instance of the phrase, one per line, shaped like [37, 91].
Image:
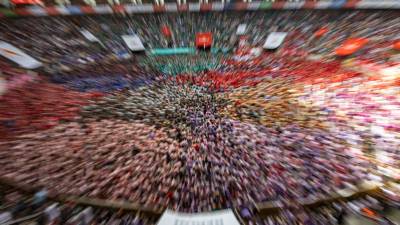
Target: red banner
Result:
[204, 40]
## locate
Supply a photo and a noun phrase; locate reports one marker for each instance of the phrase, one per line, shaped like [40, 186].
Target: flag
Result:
[350, 46]
[204, 40]
[18, 56]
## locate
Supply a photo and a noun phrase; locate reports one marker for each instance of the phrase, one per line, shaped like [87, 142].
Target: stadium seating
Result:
[201, 131]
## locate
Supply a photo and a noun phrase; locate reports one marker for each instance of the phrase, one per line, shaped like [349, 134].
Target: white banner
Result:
[89, 35]
[221, 217]
[18, 56]
[274, 40]
[133, 42]
[241, 29]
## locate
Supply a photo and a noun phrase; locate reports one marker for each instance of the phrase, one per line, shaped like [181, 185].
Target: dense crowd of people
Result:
[59, 43]
[191, 148]
[196, 133]
[33, 104]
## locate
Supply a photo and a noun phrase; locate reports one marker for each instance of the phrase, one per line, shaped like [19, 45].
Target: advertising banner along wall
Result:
[220, 217]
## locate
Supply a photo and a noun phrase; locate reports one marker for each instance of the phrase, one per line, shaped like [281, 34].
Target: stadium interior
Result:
[139, 112]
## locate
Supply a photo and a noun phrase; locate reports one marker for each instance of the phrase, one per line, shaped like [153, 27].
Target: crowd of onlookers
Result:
[58, 42]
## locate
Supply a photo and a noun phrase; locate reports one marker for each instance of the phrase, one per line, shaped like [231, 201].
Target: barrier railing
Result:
[86, 201]
[268, 208]
[263, 208]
